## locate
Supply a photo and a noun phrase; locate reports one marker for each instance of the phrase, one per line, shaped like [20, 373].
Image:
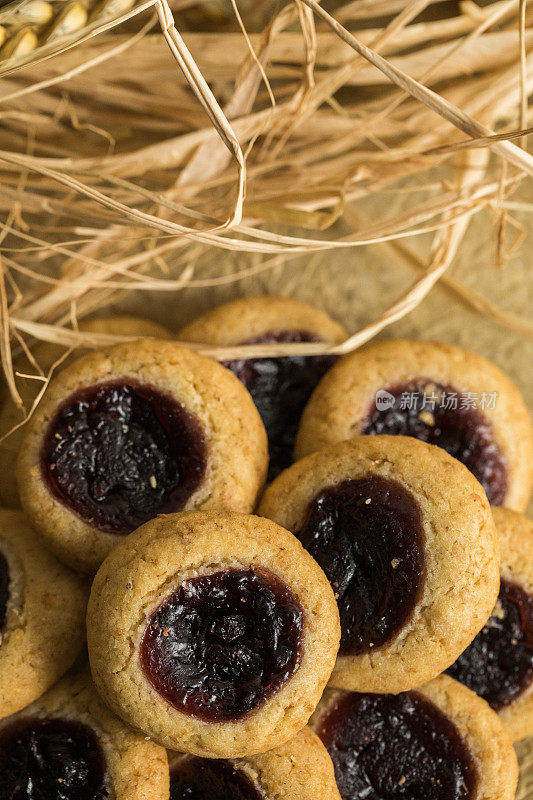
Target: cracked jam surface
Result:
[367, 536]
[221, 644]
[498, 665]
[280, 389]
[4, 589]
[396, 746]
[194, 778]
[51, 759]
[117, 454]
[465, 433]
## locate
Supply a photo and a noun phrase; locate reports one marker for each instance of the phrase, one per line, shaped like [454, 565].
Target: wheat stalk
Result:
[141, 198]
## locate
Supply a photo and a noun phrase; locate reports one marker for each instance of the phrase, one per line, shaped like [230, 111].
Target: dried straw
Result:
[122, 172]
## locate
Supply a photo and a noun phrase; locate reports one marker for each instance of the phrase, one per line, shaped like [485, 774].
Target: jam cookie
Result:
[42, 611]
[69, 746]
[280, 387]
[298, 770]
[405, 535]
[439, 742]
[131, 431]
[498, 665]
[441, 394]
[213, 633]
[46, 354]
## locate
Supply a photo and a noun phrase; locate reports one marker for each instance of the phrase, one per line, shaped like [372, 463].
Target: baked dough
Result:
[227, 472]
[46, 354]
[482, 733]
[279, 387]
[297, 770]
[499, 663]
[171, 554]
[460, 577]
[134, 767]
[342, 402]
[43, 630]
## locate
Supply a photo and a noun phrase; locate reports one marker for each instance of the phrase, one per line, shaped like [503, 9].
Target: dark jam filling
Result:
[367, 536]
[206, 779]
[425, 410]
[222, 644]
[397, 746]
[4, 589]
[280, 389]
[51, 759]
[118, 454]
[498, 665]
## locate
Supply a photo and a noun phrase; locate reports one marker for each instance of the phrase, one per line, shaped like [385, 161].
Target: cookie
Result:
[280, 387]
[298, 770]
[498, 665]
[213, 633]
[440, 742]
[130, 431]
[46, 354]
[69, 746]
[441, 394]
[42, 612]
[405, 535]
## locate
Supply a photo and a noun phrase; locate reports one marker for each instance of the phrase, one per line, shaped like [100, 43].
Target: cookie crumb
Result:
[498, 610]
[427, 417]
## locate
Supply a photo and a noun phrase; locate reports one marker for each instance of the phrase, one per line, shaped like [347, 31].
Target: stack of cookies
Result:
[296, 579]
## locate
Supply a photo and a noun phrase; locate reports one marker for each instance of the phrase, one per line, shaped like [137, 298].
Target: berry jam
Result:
[425, 410]
[387, 746]
[195, 778]
[118, 454]
[51, 759]
[4, 589]
[367, 536]
[280, 389]
[220, 645]
[498, 665]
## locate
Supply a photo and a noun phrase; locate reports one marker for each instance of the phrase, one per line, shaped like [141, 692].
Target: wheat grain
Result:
[29, 24]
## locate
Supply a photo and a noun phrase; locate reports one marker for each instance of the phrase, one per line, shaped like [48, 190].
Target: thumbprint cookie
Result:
[405, 535]
[132, 431]
[69, 746]
[297, 770]
[438, 393]
[213, 633]
[42, 614]
[498, 665]
[46, 355]
[438, 742]
[280, 387]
